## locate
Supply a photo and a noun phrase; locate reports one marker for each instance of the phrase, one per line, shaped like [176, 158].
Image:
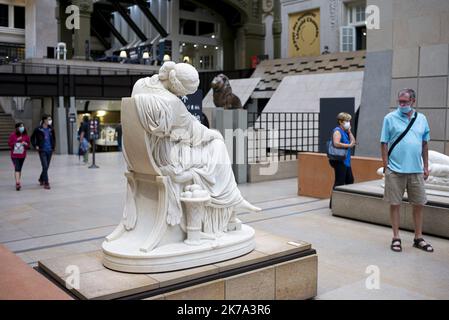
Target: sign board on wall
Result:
[194, 103]
[304, 34]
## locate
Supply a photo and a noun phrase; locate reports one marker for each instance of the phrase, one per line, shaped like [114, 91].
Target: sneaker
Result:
[47, 186]
[18, 186]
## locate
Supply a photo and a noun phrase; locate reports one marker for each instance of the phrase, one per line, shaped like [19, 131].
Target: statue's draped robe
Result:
[180, 143]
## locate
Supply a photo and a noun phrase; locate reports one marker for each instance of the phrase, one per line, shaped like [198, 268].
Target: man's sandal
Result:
[396, 245]
[420, 243]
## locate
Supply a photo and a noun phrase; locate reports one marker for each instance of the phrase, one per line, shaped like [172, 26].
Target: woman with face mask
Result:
[44, 140]
[18, 142]
[342, 137]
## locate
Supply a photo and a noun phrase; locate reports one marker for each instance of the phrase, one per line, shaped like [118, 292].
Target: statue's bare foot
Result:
[245, 205]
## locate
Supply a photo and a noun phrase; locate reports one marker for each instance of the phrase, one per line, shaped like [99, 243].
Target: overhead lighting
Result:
[216, 48]
[123, 54]
[364, 33]
[183, 44]
[195, 45]
[213, 36]
[201, 61]
[101, 113]
[205, 47]
[146, 55]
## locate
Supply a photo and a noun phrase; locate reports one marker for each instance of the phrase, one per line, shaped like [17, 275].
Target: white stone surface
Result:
[172, 158]
[242, 88]
[438, 173]
[302, 93]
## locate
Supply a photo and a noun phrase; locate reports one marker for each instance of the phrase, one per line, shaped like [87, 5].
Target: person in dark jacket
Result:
[83, 134]
[18, 142]
[44, 140]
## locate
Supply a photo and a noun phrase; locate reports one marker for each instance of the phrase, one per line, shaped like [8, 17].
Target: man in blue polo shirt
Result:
[407, 166]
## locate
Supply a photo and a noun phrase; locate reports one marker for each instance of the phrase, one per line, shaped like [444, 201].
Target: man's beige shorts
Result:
[396, 183]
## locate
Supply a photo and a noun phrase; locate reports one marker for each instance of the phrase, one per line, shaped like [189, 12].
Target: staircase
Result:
[6, 127]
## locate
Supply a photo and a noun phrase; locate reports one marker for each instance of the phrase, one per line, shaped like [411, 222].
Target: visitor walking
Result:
[44, 140]
[83, 134]
[343, 138]
[18, 142]
[119, 133]
[405, 155]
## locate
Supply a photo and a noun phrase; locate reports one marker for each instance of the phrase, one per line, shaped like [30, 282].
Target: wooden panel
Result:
[18, 281]
[316, 176]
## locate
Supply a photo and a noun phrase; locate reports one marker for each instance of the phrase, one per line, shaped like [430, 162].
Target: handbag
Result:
[334, 153]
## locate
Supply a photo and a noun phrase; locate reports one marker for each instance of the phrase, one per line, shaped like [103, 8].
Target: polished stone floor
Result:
[84, 205]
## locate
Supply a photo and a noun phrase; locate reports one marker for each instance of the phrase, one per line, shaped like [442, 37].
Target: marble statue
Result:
[182, 197]
[438, 172]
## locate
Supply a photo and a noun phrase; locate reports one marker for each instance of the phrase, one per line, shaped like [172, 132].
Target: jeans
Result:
[45, 157]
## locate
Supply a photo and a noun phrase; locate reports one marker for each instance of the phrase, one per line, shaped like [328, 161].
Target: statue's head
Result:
[219, 82]
[181, 78]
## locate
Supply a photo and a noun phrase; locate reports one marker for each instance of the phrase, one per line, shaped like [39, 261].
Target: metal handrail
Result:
[45, 68]
[281, 135]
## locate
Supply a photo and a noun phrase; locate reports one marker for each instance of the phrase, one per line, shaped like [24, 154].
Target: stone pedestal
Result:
[60, 125]
[233, 125]
[278, 268]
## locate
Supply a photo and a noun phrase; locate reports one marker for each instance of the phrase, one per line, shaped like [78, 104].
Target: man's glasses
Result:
[404, 102]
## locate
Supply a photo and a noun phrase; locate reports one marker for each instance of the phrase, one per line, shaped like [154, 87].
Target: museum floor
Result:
[84, 205]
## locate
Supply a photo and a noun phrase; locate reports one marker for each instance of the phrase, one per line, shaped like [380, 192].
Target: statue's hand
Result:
[183, 177]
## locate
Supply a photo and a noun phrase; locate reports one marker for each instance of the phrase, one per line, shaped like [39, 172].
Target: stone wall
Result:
[411, 49]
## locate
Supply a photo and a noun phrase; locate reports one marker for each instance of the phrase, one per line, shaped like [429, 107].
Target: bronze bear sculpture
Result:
[222, 93]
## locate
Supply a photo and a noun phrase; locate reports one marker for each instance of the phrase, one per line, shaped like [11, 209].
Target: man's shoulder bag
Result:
[395, 143]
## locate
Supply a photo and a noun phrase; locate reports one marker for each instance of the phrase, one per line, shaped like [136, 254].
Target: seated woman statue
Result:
[185, 150]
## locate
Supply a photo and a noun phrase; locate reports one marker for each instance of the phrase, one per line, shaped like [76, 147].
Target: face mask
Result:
[50, 122]
[346, 125]
[405, 109]
[21, 129]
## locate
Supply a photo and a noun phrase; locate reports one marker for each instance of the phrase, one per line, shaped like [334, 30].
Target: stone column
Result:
[277, 30]
[40, 27]
[253, 33]
[60, 126]
[30, 29]
[64, 34]
[82, 34]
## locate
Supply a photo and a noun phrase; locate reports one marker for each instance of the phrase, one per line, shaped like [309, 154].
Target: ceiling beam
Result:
[103, 41]
[129, 21]
[151, 18]
[111, 27]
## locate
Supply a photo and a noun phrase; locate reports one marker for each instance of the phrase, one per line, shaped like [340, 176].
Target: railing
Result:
[56, 69]
[61, 70]
[277, 136]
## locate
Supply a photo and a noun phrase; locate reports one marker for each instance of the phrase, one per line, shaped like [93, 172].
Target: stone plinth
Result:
[278, 268]
[363, 201]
